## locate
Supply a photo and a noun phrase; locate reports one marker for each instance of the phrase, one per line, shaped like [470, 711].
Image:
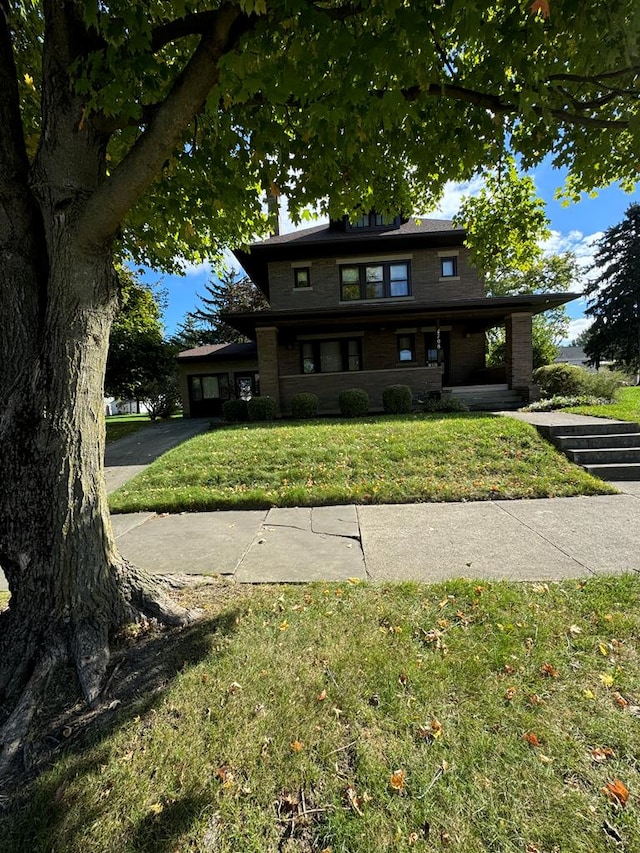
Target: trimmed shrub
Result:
[304, 405]
[569, 380]
[445, 403]
[397, 400]
[354, 403]
[234, 410]
[261, 409]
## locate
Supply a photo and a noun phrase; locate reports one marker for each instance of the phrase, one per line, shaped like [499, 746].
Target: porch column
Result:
[519, 351]
[267, 340]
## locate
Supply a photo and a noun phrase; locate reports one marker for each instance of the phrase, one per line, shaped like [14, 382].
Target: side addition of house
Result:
[364, 305]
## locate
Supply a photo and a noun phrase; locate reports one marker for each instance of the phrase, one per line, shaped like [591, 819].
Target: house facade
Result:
[368, 305]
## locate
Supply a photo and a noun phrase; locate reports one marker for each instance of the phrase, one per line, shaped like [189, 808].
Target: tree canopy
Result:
[309, 99]
[614, 295]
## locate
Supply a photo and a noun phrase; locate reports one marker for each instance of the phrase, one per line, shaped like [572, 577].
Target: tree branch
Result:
[110, 203]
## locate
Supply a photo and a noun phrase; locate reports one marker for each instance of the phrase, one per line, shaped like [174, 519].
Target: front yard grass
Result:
[399, 459]
[625, 408]
[469, 717]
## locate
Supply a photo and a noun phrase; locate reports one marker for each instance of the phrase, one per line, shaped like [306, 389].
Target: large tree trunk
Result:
[70, 589]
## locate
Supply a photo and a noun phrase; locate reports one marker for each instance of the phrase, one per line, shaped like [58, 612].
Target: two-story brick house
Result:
[364, 305]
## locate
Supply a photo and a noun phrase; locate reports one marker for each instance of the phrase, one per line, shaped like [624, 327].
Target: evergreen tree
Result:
[614, 295]
[233, 293]
[191, 333]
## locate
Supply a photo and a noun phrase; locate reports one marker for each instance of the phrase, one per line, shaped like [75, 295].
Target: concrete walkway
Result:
[519, 540]
[545, 539]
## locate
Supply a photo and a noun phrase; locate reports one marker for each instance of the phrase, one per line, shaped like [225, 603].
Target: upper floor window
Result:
[374, 281]
[448, 267]
[301, 277]
[372, 220]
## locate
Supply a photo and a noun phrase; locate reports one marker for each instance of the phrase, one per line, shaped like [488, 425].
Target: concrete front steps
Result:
[609, 450]
[487, 398]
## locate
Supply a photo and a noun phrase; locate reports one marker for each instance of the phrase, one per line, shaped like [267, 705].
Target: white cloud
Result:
[453, 194]
[190, 269]
[575, 328]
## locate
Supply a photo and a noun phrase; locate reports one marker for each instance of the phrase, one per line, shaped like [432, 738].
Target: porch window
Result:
[331, 356]
[387, 280]
[406, 347]
[431, 349]
[209, 387]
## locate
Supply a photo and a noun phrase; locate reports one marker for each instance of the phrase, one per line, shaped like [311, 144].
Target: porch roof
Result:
[479, 314]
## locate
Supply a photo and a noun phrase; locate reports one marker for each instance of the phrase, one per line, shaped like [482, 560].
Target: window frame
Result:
[411, 348]
[197, 378]
[314, 346]
[296, 273]
[453, 260]
[386, 282]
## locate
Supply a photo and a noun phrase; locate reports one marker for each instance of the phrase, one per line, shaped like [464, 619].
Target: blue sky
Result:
[575, 227]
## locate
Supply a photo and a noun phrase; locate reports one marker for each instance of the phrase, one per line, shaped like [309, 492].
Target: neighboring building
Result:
[365, 305]
[571, 355]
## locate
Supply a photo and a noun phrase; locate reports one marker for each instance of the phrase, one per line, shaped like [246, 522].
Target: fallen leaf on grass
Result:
[511, 692]
[156, 808]
[354, 800]
[534, 699]
[602, 753]
[549, 670]
[606, 679]
[617, 792]
[397, 780]
[321, 696]
[619, 699]
[531, 738]
[297, 746]
[574, 631]
[354, 581]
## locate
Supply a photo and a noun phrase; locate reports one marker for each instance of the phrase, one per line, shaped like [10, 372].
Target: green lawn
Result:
[470, 717]
[376, 460]
[625, 408]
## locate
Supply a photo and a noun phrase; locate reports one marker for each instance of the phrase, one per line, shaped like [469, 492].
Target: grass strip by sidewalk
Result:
[625, 408]
[470, 717]
[400, 459]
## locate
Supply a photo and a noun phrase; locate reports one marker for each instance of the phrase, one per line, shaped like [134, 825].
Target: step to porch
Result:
[487, 398]
[610, 450]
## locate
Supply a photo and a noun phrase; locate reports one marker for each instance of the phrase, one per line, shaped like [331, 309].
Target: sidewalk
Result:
[545, 539]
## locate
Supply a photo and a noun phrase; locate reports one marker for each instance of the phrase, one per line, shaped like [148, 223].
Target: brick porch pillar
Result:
[519, 351]
[267, 340]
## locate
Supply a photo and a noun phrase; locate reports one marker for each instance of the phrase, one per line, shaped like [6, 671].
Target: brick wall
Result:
[519, 351]
[267, 340]
[427, 285]
[203, 368]
[329, 385]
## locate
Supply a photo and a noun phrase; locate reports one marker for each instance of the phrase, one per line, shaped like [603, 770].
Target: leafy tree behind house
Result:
[506, 225]
[155, 129]
[233, 293]
[614, 296]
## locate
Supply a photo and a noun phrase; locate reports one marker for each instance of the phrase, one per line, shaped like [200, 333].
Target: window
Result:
[406, 347]
[448, 267]
[301, 277]
[374, 281]
[330, 356]
[211, 387]
[431, 349]
[372, 220]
